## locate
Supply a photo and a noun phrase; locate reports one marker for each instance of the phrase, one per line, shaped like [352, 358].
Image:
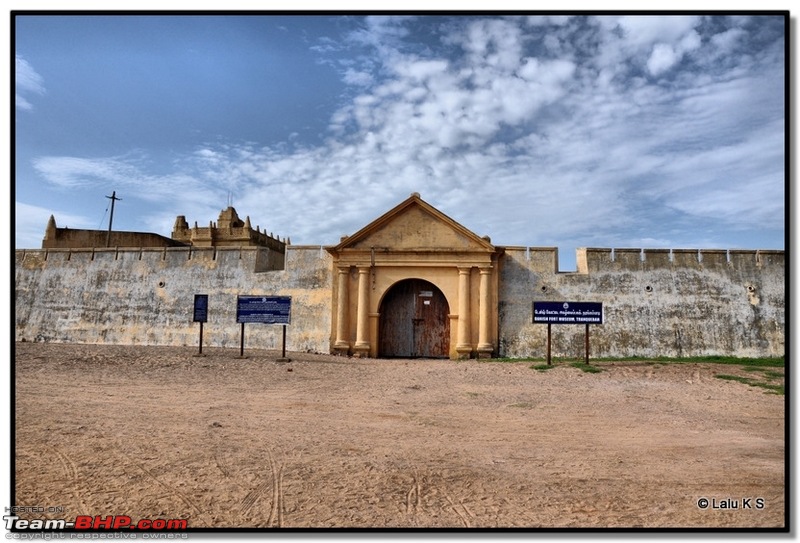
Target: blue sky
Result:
[658, 131]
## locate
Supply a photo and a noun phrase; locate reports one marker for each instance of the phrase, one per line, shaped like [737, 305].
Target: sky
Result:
[636, 131]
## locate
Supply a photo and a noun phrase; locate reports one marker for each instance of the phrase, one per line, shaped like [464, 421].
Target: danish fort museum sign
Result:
[264, 309]
[568, 312]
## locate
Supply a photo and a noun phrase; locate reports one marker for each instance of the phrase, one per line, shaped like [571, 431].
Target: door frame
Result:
[446, 328]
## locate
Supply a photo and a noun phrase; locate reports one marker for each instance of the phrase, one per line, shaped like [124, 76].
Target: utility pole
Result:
[113, 197]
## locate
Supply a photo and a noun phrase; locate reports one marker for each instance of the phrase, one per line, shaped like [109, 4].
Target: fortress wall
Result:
[656, 303]
[657, 259]
[141, 296]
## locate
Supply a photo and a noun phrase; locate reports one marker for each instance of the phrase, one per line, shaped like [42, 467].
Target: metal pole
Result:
[241, 346]
[201, 337]
[549, 363]
[586, 338]
[283, 351]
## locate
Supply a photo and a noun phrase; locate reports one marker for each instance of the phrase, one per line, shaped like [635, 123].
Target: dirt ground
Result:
[323, 441]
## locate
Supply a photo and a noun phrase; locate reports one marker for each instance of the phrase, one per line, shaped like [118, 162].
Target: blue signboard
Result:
[200, 308]
[264, 309]
[568, 312]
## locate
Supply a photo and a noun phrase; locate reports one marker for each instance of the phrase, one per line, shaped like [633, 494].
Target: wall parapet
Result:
[657, 302]
[145, 295]
[264, 258]
[592, 259]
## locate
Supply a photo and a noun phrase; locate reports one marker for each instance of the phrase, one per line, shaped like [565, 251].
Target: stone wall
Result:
[146, 296]
[656, 302]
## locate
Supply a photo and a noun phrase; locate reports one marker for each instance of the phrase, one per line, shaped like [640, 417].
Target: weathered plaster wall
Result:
[656, 302]
[697, 303]
[146, 296]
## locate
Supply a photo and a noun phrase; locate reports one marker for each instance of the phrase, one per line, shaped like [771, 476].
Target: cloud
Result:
[358, 78]
[74, 172]
[642, 32]
[728, 40]
[532, 131]
[30, 222]
[27, 81]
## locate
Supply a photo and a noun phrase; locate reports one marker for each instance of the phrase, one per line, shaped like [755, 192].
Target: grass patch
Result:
[763, 376]
[773, 388]
[745, 362]
[774, 362]
[737, 378]
[523, 405]
[588, 368]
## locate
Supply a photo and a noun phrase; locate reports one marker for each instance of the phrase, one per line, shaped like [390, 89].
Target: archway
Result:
[414, 321]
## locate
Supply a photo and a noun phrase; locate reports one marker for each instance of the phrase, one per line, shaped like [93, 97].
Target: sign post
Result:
[586, 339]
[200, 315]
[267, 310]
[568, 313]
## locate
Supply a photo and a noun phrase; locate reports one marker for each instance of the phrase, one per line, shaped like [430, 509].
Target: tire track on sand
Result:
[276, 512]
[170, 490]
[252, 497]
[71, 471]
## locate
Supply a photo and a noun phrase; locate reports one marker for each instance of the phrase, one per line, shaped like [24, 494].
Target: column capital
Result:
[463, 270]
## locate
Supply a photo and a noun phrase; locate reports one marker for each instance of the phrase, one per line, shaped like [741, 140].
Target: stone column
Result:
[342, 344]
[361, 348]
[463, 345]
[485, 346]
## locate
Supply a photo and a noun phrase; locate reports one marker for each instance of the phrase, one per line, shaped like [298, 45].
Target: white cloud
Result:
[27, 81]
[642, 32]
[358, 78]
[726, 41]
[30, 222]
[73, 172]
[530, 146]
[662, 59]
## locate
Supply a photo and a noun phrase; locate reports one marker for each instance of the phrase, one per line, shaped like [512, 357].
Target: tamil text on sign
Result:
[568, 312]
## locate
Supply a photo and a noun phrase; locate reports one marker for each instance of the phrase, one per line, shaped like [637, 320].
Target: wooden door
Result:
[414, 321]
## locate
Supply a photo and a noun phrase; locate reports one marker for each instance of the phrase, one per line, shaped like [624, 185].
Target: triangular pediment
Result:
[415, 225]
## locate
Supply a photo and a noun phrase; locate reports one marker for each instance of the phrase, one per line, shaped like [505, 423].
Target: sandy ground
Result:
[323, 441]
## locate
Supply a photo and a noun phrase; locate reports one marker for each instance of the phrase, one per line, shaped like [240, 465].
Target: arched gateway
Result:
[414, 321]
[415, 249]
